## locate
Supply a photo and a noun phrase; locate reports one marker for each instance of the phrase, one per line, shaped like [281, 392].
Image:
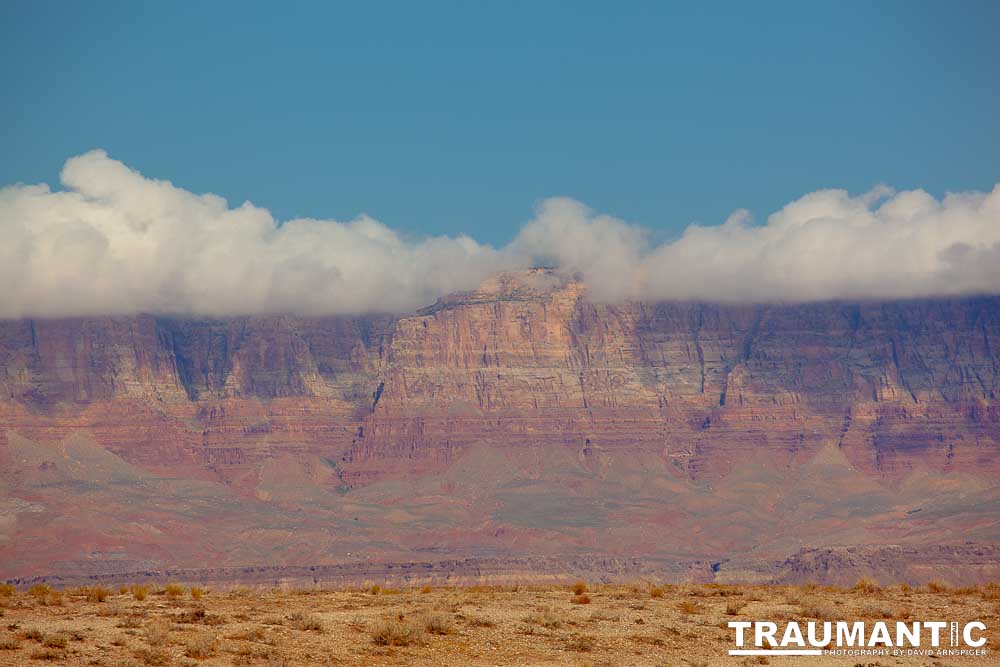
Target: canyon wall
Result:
[525, 382]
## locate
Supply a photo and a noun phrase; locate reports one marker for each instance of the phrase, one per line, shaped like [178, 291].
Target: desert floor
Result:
[636, 624]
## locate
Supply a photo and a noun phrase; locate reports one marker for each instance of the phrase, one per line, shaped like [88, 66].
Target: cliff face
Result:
[501, 412]
[896, 386]
[212, 396]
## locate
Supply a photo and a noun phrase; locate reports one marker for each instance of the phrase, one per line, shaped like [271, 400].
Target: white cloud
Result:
[115, 241]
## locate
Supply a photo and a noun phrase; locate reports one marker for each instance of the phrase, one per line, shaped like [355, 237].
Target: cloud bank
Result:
[114, 241]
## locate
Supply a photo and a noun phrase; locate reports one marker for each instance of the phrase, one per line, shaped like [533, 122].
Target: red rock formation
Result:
[695, 417]
[898, 386]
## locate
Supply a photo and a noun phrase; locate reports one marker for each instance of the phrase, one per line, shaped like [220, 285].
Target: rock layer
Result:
[517, 417]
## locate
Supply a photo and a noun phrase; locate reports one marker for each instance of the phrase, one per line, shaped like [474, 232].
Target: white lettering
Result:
[792, 635]
[856, 636]
[739, 626]
[912, 635]
[827, 629]
[936, 627]
[765, 629]
[967, 634]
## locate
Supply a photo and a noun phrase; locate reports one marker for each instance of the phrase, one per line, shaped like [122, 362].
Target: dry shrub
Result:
[157, 633]
[438, 624]
[122, 590]
[251, 655]
[47, 654]
[396, 633]
[97, 594]
[901, 613]
[866, 585]
[579, 588]
[173, 590]
[967, 590]
[131, 621]
[425, 589]
[55, 641]
[936, 587]
[9, 644]
[39, 592]
[480, 622]
[734, 607]
[198, 615]
[197, 592]
[202, 646]
[991, 591]
[153, 656]
[250, 634]
[375, 590]
[32, 634]
[646, 639]
[7, 590]
[876, 610]
[139, 592]
[301, 621]
[582, 643]
[816, 609]
[904, 588]
[688, 607]
[581, 599]
[601, 615]
[546, 619]
[656, 592]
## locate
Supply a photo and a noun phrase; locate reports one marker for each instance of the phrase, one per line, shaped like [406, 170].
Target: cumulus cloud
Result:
[114, 241]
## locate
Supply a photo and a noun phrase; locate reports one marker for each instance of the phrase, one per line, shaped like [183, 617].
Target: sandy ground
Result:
[637, 624]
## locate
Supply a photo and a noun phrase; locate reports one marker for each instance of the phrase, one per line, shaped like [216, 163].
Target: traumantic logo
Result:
[857, 638]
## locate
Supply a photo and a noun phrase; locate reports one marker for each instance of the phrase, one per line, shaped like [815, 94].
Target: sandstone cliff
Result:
[519, 418]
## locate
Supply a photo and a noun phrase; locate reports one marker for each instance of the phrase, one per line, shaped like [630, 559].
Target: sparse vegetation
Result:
[579, 588]
[438, 624]
[734, 607]
[97, 594]
[936, 587]
[7, 590]
[581, 599]
[153, 655]
[582, 643]
[157, 633]
[173, 590]
[396, 633]
[866, 585]
[301, 621]
[47, 654]
[812, 608]
[200, 647]
[139, 592]
[197, 592]
[656, 592]
[285, 627]
[546, 620]
[39, 592]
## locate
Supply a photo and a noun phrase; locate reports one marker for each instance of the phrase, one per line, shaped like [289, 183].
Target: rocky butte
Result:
[520, 424]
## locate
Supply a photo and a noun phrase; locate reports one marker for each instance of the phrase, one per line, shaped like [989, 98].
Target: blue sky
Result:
[440, 118]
